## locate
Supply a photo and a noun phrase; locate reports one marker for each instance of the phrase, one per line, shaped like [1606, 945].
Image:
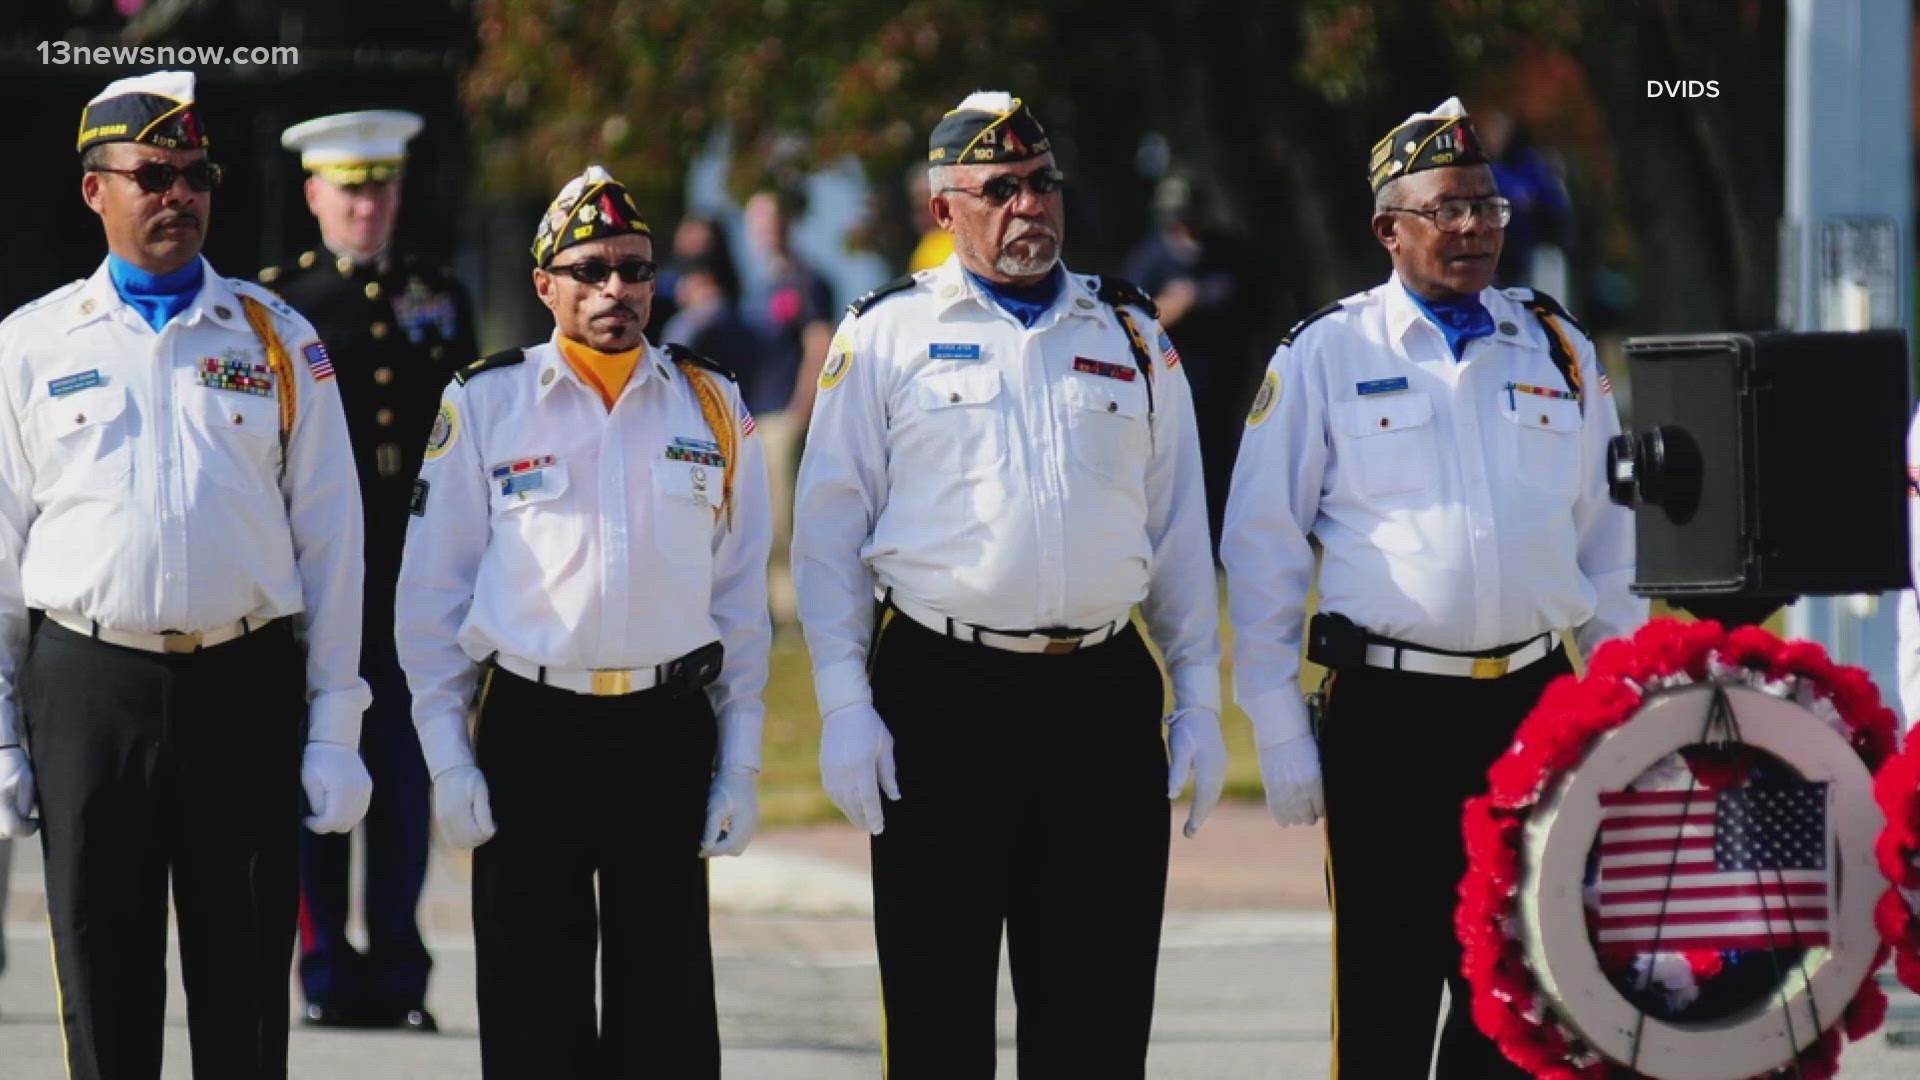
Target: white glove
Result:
[460, 806]
[1193, 738]
[1291, 772]
[856, 764]
[733, 811]
[338, 787]
[16, 795]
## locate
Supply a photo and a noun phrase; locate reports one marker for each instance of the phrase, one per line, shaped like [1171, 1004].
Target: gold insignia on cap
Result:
[307, 259]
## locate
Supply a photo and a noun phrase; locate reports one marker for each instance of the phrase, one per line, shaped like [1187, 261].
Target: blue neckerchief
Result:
[1024, 302]
[1460, 321]
[157, 297]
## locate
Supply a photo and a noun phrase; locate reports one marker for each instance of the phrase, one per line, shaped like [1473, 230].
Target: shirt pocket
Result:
[1545, 442]
[1392, 441]
[233, 439]
[1107, 426]
[956, 418]
[83, 442]
[687, 495]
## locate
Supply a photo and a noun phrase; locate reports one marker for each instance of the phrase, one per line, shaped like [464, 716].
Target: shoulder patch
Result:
[1115, 291]
[1537, 299]
[501, 359]
[683, 355]
[839, 359]
[1265, 399]
[446, 428]
[1287, 338]
[899, 284]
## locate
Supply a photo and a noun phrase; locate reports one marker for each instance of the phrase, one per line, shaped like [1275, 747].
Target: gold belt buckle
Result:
[1490, 667]
[606, 683]
[1060, 646]
[176, 642]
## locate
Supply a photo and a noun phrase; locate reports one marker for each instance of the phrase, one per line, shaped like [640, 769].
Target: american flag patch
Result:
[1167, 350]
[1606, 385]
[318, 361]
[747, 424]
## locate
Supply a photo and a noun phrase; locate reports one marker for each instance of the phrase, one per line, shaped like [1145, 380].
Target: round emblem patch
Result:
[1263, 401]
[839, 359]
[446, 428]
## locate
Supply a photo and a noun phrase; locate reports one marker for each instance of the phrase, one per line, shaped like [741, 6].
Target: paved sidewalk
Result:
[1243, 973]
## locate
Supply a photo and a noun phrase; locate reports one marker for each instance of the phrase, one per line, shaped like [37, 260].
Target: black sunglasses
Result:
[596, 271]
[1004, 188]
[157, 176]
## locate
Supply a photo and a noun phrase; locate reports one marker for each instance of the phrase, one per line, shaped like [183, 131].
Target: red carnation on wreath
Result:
[1508, 1004]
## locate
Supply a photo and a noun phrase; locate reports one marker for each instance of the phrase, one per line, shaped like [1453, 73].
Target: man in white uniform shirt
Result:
[1446, 443]
[178, 506]
[1002, 463]
[589, 558]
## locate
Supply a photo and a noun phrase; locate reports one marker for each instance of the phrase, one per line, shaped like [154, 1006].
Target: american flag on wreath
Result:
[747, 425]
[318, 361]
[1741, 868]
[1167, 350]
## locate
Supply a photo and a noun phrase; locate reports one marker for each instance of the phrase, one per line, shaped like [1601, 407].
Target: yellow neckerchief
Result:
[607, 373]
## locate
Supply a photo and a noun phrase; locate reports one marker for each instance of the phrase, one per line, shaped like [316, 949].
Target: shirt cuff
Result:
[840, 685]
[1197, 686]
[1278, 716]
[334, 716]
[443, 742]
[740, 736]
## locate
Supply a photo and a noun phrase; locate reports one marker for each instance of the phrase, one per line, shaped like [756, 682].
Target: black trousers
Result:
[594, 791]
[149, 766]
[391, 976]
[1400, 754]
[1033, 795]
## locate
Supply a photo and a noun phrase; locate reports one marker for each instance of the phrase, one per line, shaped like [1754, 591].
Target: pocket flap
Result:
[1104, 395]
[1545, 414]
[1385, 413]
[969, 386]
[64, 415]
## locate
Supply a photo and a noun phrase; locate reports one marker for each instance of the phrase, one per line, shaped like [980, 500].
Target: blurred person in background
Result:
[697, 239]
[1535, 252]
[934, 243]
[791, 307]
[397, 326]
[1200, 284]
[707, 320]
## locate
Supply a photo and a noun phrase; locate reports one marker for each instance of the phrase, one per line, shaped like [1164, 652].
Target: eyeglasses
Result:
[1452, 215]
[155, 177]
[597, 271]
[1004, 188]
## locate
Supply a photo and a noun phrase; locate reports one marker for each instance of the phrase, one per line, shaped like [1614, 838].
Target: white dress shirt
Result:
[1004, 476]
[1908, 618]
[614, 557]
[1459, 504]
[135, 493]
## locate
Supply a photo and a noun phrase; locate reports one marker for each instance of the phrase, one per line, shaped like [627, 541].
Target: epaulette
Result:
[1536, 298]
[681, 354]
[267, 275]
[501, 359]
[267, 296]
[899, 284]
[1115, 291]
[1287, 338]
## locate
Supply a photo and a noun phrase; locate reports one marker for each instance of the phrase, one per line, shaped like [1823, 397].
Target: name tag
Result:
[1102, 368]
[67, 384]
[519, 483]
[1380, 386]
[947, 350]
